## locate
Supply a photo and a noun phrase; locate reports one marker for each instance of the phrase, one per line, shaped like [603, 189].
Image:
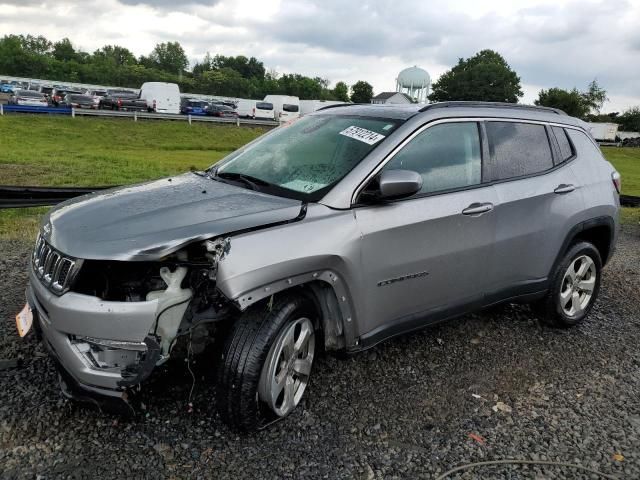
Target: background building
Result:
[392, 97]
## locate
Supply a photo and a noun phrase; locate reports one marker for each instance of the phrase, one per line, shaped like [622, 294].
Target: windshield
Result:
[307, 157]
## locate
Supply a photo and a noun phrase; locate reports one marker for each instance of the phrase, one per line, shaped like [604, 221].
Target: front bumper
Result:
[62, 319]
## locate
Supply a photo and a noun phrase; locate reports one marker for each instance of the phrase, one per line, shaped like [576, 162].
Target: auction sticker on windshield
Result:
[362, 134]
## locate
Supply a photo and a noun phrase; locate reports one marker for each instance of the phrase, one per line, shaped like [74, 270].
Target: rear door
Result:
[428, 253]
[536, 196]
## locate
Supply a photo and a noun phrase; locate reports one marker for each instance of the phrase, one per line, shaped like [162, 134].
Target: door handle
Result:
[478, 209]
[564, 188]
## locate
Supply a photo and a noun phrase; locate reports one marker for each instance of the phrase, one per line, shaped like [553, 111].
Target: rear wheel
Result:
[574, 289]
[267, 361]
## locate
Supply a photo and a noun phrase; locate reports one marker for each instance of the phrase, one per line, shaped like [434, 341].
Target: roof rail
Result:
[334, 105]
[432, 106]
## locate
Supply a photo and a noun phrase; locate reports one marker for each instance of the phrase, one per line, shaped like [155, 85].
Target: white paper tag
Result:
[362, 134]
[24, 320]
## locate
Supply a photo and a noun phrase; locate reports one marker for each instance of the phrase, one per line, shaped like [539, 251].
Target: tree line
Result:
[113, 65]
[486, 76]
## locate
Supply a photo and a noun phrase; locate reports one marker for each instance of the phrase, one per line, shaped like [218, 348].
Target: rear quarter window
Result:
[517, 149]
[583, 144]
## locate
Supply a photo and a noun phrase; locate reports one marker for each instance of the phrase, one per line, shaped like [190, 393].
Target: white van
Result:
[286, 107]
[309, 106]
[264, 111]
[245, 107]
[161, 97]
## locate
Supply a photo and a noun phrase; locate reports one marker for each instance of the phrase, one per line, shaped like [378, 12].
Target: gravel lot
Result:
[411, 408]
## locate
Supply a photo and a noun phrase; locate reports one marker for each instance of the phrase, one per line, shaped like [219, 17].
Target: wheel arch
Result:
[329, 293]
[600, 231]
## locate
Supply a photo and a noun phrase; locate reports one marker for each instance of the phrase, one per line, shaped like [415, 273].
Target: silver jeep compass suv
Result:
[340, 230]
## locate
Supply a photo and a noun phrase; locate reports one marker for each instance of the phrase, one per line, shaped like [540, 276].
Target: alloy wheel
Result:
[577, 286]
[285, 374]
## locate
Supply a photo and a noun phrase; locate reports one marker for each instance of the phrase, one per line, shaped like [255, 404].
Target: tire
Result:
[569, 301]
[253, 350]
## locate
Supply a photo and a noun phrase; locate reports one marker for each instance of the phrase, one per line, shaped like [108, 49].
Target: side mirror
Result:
[394, 184]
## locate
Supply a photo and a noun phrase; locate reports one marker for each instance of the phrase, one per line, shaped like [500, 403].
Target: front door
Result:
[428, 253]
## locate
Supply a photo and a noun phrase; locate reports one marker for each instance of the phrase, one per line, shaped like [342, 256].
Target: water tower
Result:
[415, 82]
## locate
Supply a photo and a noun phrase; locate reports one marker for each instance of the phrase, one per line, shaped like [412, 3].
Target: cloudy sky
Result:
[563, 43]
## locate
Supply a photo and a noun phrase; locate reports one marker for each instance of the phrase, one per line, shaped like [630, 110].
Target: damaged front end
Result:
[115, 321]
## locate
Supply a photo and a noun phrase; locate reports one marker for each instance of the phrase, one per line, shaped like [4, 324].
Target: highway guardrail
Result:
[135, 116]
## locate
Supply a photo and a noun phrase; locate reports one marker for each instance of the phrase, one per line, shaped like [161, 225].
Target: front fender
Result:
[324, 247]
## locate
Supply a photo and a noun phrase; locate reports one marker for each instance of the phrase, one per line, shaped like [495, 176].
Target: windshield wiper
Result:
[251, 182]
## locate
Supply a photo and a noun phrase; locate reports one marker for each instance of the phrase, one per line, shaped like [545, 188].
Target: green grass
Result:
[627, 161]
[54, 151]
[46, 151]
[90, 151]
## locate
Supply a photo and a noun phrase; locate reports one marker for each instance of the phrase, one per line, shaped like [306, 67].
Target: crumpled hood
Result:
[153, 219]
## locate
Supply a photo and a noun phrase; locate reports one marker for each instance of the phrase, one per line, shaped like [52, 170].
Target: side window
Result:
[583, 143]
[566, 151]
[517, 149]
[446, 155]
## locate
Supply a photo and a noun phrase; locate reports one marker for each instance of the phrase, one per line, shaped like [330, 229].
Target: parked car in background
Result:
[97, 95]
[161, 97]
[264, 111]
[74, 100]
[434, 211]
[117, 99]
[245, 108]
[58, 94]
[287, 107]
[222, 111]
[28, 98]
[46, 90]
[191, 106]
[7, 88]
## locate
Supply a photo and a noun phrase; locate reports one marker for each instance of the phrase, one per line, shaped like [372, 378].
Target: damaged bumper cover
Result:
[102, 347]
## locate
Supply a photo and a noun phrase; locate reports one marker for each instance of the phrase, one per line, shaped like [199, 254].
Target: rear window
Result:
[27, 93]
[264, 106]
[80, 98]
[287, 107]
[566, 151]
[517, 149]
[46, 90]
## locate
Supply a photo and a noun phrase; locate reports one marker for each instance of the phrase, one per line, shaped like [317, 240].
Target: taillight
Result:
[119, 102]
[154, 105]
[617, 181]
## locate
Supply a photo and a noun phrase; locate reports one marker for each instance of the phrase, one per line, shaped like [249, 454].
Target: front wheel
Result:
[266, 363]
[574, 288]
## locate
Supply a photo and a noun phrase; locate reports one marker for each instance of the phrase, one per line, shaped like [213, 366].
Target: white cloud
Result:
[549, 43]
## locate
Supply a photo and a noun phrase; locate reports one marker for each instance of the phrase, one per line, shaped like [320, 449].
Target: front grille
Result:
[55, 270]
